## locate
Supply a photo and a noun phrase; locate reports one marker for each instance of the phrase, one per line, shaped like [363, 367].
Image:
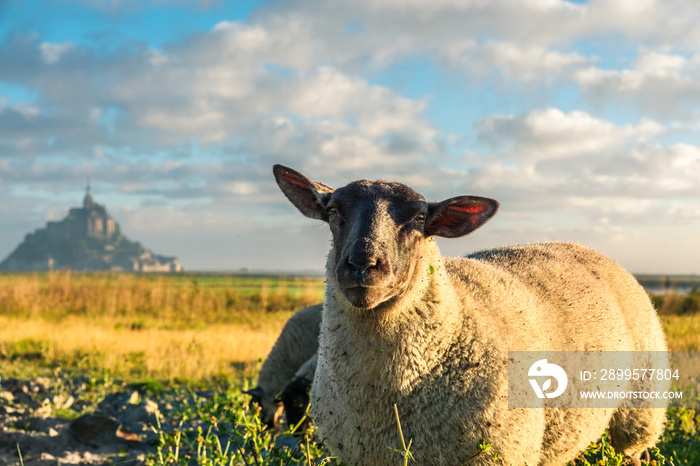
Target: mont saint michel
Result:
[87, 239]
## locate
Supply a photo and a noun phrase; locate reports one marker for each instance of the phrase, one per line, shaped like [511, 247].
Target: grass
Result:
[167, 334]
[674, 303]
[680, 314]
[174, 355]
[682, 332]
[225, 430]
[169, 300]
[176, 328]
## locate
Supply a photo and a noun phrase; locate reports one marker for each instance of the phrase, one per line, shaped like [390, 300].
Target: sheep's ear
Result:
[308, 196]
[458, 216]
[256, 393]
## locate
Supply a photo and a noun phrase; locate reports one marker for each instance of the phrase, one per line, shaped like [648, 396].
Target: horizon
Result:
[580, 117]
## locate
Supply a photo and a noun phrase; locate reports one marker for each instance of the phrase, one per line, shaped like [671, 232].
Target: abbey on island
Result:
[88, 238]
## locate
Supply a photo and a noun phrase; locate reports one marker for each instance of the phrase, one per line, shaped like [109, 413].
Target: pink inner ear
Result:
[468, 209]
[294, 180]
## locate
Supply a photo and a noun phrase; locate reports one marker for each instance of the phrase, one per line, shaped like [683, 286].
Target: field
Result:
[181, 348]
[181, 328]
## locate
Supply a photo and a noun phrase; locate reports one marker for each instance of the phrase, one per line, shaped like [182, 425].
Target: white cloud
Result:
[52, 53]
[221, 86]
[242, 188]
[377, 110]
[660, 64]
[553, 134]
[298, 60]
[661, 84]
[510, 61]
[592, 180]
[26, 110]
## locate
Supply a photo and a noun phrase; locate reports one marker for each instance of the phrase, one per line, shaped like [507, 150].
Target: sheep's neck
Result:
[402, 343]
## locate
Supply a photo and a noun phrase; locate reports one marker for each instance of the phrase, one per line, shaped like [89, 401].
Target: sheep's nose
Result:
[361, 266]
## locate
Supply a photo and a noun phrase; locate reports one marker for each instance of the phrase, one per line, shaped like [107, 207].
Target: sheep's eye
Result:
[332, 211]
[420, 217]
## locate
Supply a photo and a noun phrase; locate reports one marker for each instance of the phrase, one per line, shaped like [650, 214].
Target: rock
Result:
[62, 401]
[114, 434]
[134, 398]
[8, 410]
[40, 384]
[130, 410]
[124, 434]
[142, 413]
[44, 411]
[116, 403]
[96, 430]
[287, 441]
[20, 393]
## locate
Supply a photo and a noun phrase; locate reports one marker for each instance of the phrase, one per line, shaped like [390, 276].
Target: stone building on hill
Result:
[90, 220]
[87, 239]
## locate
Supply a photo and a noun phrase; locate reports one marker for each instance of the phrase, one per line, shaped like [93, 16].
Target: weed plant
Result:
[224, 429]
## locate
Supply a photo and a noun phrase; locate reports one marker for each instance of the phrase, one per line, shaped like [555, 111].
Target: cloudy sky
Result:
[581, 118]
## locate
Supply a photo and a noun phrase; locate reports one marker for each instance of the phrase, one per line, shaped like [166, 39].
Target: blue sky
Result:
[581, 118]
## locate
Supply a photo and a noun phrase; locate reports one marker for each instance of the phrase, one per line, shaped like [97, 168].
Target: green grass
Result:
[676, 303]
[226, 430]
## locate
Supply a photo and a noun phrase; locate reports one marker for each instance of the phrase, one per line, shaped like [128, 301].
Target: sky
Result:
[580, 118]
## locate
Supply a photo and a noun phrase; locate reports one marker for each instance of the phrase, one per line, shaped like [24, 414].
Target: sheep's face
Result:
[378, 229]
[270, 408]
[375, 227]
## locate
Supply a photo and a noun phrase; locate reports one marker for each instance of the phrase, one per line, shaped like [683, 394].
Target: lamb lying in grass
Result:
[293, 356]
[403, 325]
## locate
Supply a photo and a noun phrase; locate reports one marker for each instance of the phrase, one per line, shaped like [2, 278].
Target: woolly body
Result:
[293, 355]
[441, 356]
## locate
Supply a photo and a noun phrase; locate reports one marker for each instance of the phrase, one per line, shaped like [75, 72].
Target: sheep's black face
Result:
[377, 227]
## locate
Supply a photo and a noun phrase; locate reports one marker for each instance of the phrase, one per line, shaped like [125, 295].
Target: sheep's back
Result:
[559, 297]
[297, 342]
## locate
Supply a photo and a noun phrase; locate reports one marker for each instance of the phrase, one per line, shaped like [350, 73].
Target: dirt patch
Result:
[54, 422]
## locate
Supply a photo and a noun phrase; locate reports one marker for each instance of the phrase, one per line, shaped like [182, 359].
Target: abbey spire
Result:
[87, 201]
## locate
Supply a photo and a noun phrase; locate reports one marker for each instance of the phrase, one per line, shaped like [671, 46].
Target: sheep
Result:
[292, 356]
[295, 396]
[403, 325]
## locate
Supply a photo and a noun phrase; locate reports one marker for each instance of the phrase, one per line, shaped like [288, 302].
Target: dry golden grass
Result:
[682, 332]
[190, 299]
[179, 327]
[176, 327]
[218, 350]
[681, 319]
